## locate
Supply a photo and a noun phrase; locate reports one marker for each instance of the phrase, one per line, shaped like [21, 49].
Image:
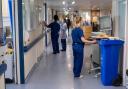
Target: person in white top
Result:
[63, 35]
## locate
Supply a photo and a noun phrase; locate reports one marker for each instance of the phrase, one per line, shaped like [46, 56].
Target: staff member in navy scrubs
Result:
[55, 28]
[78, 48]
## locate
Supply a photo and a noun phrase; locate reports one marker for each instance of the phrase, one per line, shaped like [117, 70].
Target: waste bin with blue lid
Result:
[110, 51]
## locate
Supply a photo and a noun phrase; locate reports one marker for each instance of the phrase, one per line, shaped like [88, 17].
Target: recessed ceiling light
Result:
[40, 8]
[63, 2]
[73, 2]
[98, 8]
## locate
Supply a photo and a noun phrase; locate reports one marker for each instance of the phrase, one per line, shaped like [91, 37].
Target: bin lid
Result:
[111, 42]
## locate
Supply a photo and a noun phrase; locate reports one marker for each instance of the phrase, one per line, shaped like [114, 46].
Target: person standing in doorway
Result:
[63, 34]
[68, 25]
[55, 28]
[78, 48]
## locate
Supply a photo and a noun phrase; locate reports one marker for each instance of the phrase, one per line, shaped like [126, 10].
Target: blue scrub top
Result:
[77, 33]
[55, 28]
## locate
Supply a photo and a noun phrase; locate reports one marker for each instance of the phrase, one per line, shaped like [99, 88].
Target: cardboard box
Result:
[87, 31]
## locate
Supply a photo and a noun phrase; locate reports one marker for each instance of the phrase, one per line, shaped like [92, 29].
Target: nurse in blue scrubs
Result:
[78, 48]
[55, 28]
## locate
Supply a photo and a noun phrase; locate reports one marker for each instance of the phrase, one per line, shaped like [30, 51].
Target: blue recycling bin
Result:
[110, 50]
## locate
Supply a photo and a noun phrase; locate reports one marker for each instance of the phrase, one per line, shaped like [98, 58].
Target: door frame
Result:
[18, 41]
[125, 62]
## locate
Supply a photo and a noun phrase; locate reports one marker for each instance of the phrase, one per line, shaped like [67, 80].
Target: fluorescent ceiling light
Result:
[40, 8]
[63, 2]
[73, 2]
[22, 3]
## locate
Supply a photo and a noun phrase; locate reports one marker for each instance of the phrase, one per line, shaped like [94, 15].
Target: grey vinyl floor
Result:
[55, 72]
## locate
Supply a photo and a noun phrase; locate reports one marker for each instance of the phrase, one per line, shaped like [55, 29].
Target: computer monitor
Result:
[106, 24]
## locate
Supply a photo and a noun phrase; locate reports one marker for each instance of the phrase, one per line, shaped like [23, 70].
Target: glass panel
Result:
[122, 8]
[2, 33]
[32, 15]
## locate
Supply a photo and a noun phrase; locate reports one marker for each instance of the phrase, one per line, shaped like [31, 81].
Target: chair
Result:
[95, 60]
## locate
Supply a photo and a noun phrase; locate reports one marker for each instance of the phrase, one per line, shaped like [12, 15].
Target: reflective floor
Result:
[55, 72]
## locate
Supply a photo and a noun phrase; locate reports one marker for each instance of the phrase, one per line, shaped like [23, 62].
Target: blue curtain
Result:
[10, 13]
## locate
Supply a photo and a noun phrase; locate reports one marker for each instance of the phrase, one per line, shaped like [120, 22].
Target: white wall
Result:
[31, 57]
[33, 13]
[120, 19]
[6, 21]
[115, 17]
[125, 65]
[5, 8]
[0, 14]
[49, 15]
[5, 13]
[2, 82]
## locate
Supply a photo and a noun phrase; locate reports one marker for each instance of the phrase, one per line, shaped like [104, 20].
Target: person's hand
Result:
[43, 23]
[94, 42]
[40, 23]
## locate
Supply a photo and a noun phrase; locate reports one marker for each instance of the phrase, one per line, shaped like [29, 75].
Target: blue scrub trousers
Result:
[78, 59]
[55, 44]
[63, 43]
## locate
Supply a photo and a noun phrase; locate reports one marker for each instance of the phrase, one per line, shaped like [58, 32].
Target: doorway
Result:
[7, 41]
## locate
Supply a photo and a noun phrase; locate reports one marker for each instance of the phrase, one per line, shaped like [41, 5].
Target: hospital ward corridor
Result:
[55, 72]
[63, 44]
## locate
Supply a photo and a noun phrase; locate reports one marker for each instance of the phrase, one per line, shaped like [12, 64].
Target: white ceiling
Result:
[80, 4]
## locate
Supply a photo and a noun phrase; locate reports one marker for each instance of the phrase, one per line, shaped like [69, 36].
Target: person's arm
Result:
[84, 40]
[87, 41]
[48, 26]
[59, 28]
